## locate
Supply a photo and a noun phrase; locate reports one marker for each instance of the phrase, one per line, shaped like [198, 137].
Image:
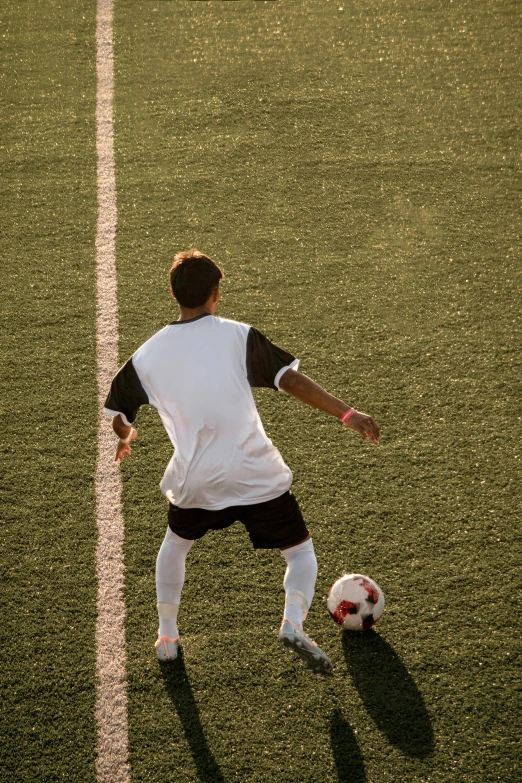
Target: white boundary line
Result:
[111, 688]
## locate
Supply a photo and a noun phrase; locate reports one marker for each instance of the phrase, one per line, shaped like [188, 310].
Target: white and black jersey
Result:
[198, 374]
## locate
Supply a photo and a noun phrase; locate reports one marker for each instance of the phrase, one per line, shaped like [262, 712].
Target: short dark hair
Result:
[193, 277]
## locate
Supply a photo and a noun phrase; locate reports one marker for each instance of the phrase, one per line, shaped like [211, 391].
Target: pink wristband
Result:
[346, 415]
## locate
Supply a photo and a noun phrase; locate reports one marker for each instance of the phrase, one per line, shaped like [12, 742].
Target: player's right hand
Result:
[367, 428]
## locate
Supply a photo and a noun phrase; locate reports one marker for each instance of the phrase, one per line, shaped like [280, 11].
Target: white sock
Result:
[299, 582]
[170, 576]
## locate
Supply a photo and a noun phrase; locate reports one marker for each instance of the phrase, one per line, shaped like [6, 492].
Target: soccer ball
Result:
[355, 602]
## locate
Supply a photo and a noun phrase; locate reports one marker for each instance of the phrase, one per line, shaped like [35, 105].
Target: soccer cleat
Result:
[167, 649]
[312, 656]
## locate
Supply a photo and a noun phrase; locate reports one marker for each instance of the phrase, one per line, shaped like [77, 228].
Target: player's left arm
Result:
[126, 434]
[304, 389]
[125, 397]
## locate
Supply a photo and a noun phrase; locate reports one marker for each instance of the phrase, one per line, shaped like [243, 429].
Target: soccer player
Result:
[198, 372]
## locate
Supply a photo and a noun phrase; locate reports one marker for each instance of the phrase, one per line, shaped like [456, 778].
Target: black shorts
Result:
[274, 524]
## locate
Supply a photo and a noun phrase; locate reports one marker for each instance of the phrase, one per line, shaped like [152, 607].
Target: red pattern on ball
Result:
[373, 594]
[342, 609]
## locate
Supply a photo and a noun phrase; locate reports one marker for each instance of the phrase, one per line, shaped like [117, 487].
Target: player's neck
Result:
[186, 313]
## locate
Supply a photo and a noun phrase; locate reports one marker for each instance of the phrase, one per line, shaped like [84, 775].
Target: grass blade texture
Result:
[48, 391]
[355, 170]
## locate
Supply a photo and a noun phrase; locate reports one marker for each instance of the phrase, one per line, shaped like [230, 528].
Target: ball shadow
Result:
[389, 693]
[347, 756]
[180, 692]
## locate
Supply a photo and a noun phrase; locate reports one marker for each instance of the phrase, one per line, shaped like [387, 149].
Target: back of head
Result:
[193, 278]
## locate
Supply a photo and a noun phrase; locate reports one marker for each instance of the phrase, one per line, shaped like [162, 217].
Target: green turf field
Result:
[48, 207]
[356, 171]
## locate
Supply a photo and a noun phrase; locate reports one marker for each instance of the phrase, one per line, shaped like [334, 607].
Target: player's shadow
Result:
[347, 756]
[180, 691]
[389, 693]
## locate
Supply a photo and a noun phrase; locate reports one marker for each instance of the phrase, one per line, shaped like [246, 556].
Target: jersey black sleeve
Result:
[264, 360]
[127, 393]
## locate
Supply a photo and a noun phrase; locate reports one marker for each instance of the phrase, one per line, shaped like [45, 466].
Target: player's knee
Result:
[173, 538]
[303, 546]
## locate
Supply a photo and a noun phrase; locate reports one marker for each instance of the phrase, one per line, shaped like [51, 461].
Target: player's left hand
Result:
[124, 449]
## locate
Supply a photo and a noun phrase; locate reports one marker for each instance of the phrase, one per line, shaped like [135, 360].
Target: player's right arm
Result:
[304, 389]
